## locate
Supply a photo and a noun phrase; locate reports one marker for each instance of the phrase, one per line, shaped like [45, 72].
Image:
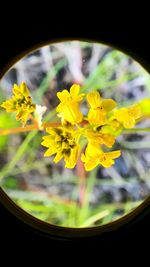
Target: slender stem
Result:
[51, 124]
[28, 128]
[31, 127]
[35, 126]
[81, 173]
[136, 130]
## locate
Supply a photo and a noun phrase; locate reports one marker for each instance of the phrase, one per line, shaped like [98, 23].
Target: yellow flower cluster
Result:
[64, 143]
[87, 136]
[21, 103]
[99, 127]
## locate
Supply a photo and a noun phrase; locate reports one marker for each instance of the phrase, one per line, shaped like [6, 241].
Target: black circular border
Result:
[65, 233]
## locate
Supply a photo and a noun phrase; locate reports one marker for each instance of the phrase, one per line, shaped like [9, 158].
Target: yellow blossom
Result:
[68, 109]
[99, 108]
[21, 102]
[100, 138]
[64, 143]
[145, 106]
[112, 127]
[128, 116]
[94, 156]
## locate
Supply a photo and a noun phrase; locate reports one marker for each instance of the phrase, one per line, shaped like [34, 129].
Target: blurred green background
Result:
[48, 191]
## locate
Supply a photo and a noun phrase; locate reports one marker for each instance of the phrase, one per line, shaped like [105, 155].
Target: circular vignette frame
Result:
[64, 233]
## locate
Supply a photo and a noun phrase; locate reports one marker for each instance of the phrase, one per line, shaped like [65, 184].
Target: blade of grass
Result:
[100, 78]
[20, 152]
[90, 221]
[135, 144]
[50, 75]
[84, 211]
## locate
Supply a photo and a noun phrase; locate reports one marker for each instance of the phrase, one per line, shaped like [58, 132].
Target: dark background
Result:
[133, 39]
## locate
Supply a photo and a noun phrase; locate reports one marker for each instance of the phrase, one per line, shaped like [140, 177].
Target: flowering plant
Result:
[89, 136]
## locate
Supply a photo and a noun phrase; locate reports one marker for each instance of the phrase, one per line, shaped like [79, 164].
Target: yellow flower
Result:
[112, 127]
[98, 108]
[21, 102]
[69, 107]
[94, 156]
[128, 116]
[100, 138]
[64, 143]
[145, 106]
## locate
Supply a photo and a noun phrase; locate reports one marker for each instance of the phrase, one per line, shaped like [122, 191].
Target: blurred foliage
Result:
[11, 122]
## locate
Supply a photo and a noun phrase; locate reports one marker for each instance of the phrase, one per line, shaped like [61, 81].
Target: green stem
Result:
[136, 130]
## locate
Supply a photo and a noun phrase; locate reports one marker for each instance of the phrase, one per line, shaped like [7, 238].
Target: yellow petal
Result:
[108, 140]
[129, 123]
[93, 149]
[106, 159]
[89, 164]
[60, 107]
[70, 163]
[49, 152]
[72, 160]
[53, 131]
[106, 163]
[22, 115]
[74, 113]
[115, 124]
[58, 157]
[48, 141]
[122, 114]
[24, 89]
[145, 106]
[108, 104]
[71, 112]
[74, 90]
[113, 154]
[97, 116]
[9, 105]
[83, 157]
[63, 96]
[135, 111]
[16, 90]
[94, 99]
[75, 152]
